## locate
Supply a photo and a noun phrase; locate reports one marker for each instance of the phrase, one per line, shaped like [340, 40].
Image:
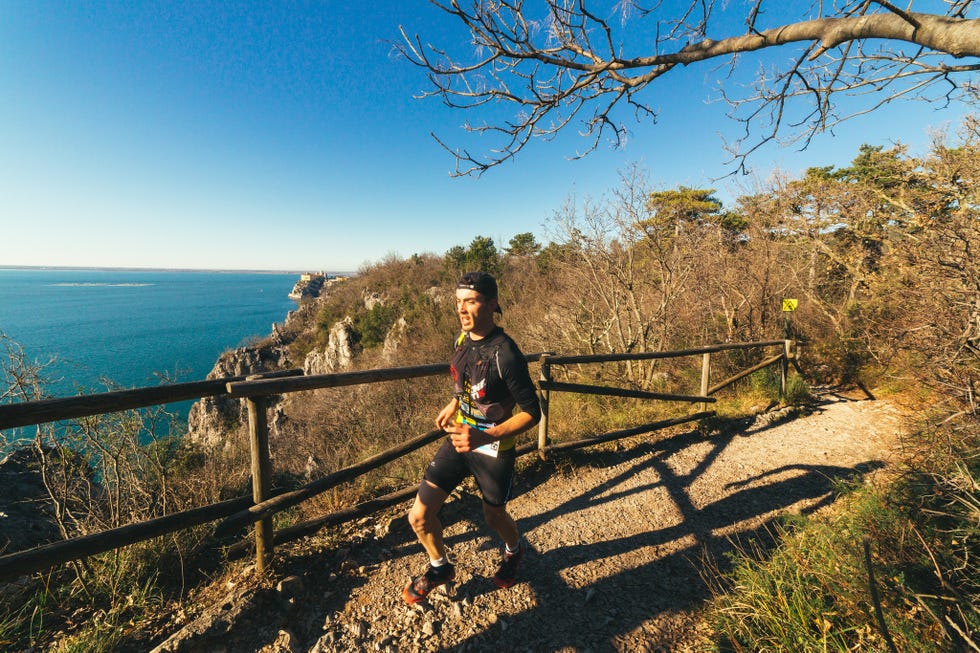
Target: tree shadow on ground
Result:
[581, 599]
[604, 612]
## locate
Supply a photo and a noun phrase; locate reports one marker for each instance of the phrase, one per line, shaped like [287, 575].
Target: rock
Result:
[284, 642]
[359, 629]
[212, 419]
[338, 353]
[309, 286]
[394, 339]
[325, 643]
[27, 518]
[290, 587]
[372, 299]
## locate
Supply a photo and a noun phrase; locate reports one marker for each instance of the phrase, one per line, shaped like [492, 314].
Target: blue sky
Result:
[285, 136]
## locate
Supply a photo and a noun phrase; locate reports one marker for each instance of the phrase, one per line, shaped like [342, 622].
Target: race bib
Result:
[490, 449]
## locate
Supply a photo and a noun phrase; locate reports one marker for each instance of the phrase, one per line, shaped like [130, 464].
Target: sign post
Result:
[789, 306]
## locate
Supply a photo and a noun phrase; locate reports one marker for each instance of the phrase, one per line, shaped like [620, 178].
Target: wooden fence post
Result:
[784, 367]
[705, 373]
[544, 397]
[258, 430]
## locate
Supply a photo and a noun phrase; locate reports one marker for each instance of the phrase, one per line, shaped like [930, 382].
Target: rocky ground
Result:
[620, 539]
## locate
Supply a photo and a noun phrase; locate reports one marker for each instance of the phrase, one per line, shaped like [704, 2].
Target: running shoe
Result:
[506, 575]
[421, 587]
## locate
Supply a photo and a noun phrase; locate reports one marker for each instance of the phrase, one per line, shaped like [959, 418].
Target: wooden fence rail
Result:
[265, 501]
[54, 410]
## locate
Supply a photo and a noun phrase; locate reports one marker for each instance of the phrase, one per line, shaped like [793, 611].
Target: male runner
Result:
[490, 379]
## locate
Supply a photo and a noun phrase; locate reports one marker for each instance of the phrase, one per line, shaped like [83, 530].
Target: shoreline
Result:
[83, 268]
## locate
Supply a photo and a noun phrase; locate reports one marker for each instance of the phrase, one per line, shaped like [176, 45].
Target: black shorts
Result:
[493, 475]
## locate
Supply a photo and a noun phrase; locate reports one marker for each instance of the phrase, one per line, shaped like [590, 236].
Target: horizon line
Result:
[163, 269]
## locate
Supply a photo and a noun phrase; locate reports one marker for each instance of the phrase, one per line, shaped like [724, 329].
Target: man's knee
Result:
[427, 503]
[417, 520]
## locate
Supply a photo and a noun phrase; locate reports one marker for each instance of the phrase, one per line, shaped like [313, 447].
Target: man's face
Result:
[475, 311]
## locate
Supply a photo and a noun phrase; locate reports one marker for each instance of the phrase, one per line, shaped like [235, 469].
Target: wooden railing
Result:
[265, 501]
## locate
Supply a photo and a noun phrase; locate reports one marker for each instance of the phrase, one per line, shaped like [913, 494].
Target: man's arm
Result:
[513, 425]
[467, 438]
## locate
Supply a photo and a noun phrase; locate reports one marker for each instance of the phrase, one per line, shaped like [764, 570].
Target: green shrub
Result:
[813, 592]
[372, 326]
[797, 391]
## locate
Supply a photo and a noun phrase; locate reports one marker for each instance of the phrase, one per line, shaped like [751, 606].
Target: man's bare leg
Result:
[502, 523]
[424, 518]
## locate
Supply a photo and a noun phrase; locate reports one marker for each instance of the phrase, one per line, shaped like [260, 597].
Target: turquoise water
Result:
[131, 326]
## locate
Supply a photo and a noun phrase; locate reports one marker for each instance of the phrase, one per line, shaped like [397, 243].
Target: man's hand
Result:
[466, 438]
[447, 415]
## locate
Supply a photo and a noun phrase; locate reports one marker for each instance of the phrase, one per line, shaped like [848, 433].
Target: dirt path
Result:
[618, 542]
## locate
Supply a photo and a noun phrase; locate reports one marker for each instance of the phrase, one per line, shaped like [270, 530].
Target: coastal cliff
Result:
[212, 420]
[312, 284]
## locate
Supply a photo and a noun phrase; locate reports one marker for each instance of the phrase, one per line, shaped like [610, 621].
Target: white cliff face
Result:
[394, 339]
[372, 299]
[309, 286]
[337, 355]
[211, 419]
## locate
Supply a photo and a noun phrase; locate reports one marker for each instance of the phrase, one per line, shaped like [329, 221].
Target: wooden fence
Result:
[265, 501]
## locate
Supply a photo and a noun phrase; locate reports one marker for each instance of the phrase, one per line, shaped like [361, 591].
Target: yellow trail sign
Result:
[789, 305]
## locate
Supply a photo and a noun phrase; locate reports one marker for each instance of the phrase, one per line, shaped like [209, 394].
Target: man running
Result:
[490, 379]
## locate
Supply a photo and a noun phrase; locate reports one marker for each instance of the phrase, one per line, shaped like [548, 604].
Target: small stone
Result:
[284, 642]
[359, 629]
[290, 587]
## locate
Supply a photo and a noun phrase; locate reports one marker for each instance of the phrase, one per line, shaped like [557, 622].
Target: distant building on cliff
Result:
[309, 285]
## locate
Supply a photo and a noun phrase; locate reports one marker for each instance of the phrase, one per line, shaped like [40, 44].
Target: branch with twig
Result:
[562, 61]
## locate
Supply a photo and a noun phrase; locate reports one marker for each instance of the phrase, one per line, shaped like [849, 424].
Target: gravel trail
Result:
[619, 539]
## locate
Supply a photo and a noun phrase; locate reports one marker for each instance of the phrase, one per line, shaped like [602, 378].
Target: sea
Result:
[103, 329]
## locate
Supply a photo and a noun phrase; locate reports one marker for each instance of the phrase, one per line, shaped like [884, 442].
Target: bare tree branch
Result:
[557, 61]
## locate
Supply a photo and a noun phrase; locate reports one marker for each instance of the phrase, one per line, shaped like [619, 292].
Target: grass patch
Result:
[892, 568]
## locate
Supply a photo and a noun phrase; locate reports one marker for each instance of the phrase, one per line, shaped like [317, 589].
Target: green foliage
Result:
[482, 255]
[456, 260]
[22, 619]
[797, 391]
[553, 256]
[812, 592]
[523, 244]
[765, 382]
[671, 211]
[372, 326]
[684, 204]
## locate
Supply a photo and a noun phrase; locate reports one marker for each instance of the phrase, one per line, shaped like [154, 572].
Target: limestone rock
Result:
[309, 286]
[26, 519]
[394, 338]
[212, 418]
[372, 299]
[337, 355]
